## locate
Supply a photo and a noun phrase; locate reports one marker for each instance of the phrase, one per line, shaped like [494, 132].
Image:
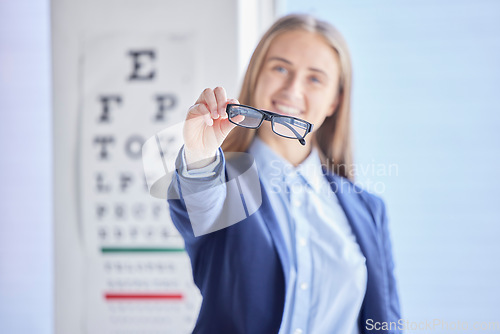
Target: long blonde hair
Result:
[333, 137]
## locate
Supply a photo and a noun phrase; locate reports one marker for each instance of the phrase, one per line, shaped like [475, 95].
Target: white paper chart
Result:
[138, 275]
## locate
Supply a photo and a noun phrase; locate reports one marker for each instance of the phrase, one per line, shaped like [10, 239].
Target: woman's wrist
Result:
[198, 159]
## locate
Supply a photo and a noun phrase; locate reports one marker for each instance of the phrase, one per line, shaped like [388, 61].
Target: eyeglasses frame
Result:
[269, 116]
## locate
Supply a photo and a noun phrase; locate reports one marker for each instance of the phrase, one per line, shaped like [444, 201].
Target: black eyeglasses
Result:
[285, 126]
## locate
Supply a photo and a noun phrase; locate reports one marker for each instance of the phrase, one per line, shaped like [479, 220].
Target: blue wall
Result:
[426, 98]
[25, 168]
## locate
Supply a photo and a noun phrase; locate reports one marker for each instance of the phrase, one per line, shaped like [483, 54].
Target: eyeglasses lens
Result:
[246, 117]
[289, 127]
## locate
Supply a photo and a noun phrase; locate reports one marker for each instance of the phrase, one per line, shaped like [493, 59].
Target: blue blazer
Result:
[241, 270]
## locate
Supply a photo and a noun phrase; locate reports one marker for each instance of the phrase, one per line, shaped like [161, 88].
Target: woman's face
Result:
[299, 77]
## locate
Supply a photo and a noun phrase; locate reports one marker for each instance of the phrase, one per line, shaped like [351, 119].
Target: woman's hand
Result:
[206, 127]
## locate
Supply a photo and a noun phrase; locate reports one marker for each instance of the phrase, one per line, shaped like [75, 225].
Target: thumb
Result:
[229, 101]
[226, 126]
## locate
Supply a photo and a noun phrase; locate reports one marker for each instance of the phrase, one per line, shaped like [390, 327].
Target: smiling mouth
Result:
[286, 110]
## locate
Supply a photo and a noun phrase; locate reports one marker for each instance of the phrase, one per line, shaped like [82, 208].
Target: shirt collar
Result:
[271, 164]
[312, 171]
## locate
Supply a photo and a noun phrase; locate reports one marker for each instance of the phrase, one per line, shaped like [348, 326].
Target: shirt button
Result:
[304, 286]
[297, 203]
[302, 241]
[298, 331]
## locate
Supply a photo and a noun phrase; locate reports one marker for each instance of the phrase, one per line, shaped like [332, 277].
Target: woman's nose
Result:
[293, 86]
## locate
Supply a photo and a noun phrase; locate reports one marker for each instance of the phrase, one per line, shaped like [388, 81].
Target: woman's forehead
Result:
[303, 49]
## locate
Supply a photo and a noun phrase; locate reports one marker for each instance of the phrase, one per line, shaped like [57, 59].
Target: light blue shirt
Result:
[327, 279]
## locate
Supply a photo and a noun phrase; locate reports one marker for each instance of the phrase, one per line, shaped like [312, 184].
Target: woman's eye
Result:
[315, 80]
[280, 69]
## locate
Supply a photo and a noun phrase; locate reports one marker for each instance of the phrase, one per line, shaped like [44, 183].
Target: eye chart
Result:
[137, 273]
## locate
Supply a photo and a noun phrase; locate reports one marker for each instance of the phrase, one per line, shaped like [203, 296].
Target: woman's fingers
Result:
[226, 126]
[201, 110]
[208, 98]
[208, 119]
[221, 98]
[215, 101]
[212, 105]
[207, 124]
[229, 101]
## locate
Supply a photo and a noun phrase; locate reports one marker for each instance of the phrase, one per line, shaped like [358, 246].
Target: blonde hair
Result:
[333, 137]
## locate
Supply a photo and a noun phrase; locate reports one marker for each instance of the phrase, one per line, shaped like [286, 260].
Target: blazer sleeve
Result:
[189, 199]
[202, 209]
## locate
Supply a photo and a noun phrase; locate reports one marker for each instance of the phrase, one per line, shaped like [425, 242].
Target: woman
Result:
[312, 253]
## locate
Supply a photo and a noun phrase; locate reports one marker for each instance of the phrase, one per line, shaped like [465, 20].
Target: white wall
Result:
[77, 27]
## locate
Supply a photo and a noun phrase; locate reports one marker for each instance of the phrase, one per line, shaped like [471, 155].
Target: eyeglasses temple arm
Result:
[299, 137]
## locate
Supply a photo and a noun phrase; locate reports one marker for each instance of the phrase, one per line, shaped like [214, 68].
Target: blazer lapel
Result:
[364, 228]
[357, 213]
[274, 229]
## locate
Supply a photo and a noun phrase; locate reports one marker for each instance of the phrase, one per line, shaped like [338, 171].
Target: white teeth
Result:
[287, 110]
